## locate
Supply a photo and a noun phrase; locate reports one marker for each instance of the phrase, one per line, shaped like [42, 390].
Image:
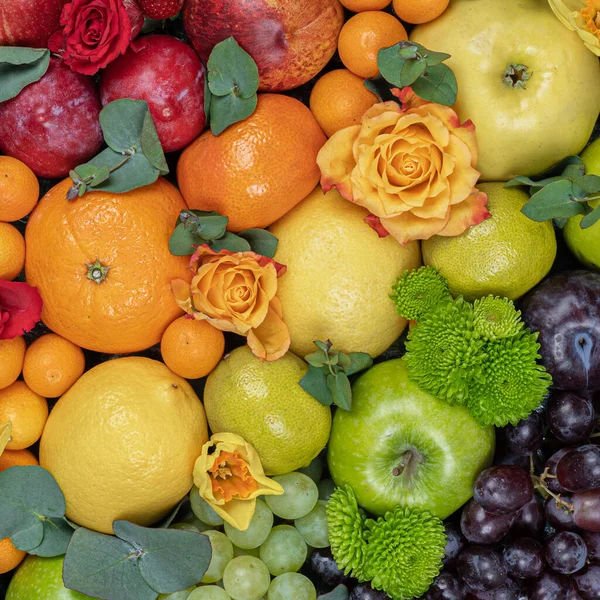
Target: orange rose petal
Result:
[408, 98]
[271, 340]
[336, 161]
[470, 212]
[408, 227]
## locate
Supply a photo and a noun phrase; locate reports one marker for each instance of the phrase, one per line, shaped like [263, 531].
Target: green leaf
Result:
[391, 63]
[164, 524]
[231, 70]
[261, 241]
[230, 242]
[411, 71]
[27, 495]
[360, 362]
[317, 359]
[122, 122]
[210, 227]
[344, 361]
[181, 240]
[19, 67]
[227, 110]
[591, 218]
[370, 85]
[314, 383]
[437, 84]
[135, 172]
[100, 176]
[555, 200]
[151, 147]
[207, 99]
[408, 50]
[340, 389]
[588, 183]
[57, 534]
[324, 346]
[574, 170]
[523, 180]
[339, 593]
[84, 171]
[433, 58]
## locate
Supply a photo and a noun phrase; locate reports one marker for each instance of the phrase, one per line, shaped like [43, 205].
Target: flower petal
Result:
[23, 304]
[336, 161]
[271, 340]
[462, 216]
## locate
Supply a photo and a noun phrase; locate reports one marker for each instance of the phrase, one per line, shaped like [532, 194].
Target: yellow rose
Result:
[412, 166]
[236, 291]
[230, 476]
[582, 16]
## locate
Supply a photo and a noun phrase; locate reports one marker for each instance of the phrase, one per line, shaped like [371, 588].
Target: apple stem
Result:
[404, 460]
[408, 464]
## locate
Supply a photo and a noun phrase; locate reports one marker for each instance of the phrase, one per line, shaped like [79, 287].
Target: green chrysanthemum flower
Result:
[345, 522]
[513, 383]
[418, 291]
[443, 351]
[404, 552]
[496, 318]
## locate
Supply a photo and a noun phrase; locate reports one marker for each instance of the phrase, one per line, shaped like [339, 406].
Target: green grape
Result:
[181, 595]
[244, 552]
[313, 526]
[326, 488]
[258, 530]
[222, 554]
[300, 494]
[284, 550]
[314, 470]
[209, 592]
[202, 509]
[184, 527]
[292, 585]
[246, 578]
[198, 524]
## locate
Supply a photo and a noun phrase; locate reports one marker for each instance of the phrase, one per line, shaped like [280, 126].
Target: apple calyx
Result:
[97, 272]
[408, 465]
[516, 75]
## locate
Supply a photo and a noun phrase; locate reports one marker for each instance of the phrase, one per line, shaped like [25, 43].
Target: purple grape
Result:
[323, 566]
[592, 541]
[580, 468]
[586, 509]
[587, 582]
[525, 437]
[509, 590]
[524, 558]
[363, 591]
[455, 542]
[481, 567]
[566, 552]
[503, 489]
[504, 457]
[550, 467]
[559, 516]
[530, 520]
[573, 595]
[482, 527]
[445, 587]
[549, 586]
[570, 416]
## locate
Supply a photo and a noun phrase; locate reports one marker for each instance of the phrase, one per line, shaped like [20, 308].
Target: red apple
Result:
[290, 40]
[29, 22]
[168, 75]
[53, 124]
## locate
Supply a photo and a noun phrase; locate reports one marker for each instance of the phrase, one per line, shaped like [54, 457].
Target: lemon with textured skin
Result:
[339, 276]
[122, 443]
[263, 402]
[505, 255]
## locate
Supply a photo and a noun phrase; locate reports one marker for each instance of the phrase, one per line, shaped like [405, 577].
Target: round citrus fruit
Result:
[102, 265]
[52, 365]
[263, 402]
[12, 251]
[10, 557]
[122, 443]
[257, 169]
[191, 348]
[419, 11]
[26, 410]
[17, 458]
[363, 35]
[339, 99]
[19, 189]
[339, 276]
[12, 353]
[362, 5]
[505, 255]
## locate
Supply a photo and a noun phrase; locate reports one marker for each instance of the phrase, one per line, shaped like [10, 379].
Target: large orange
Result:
[256, 170]
[127, 234]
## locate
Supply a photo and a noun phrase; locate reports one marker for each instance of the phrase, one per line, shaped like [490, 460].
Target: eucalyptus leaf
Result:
[83, 171]
[181, 240]
[210, 227]
[408, 50]
[574, 170]
[261, 241]
[411, 71]
[151, 147]
[227, 110]
[100, 176]
[57, 534]
[437, 84]
[370, 85]
[588, 183]
[231, 70]
[555, 200]
[390, 63]
[317, 359]
[360, 362]
[172, 515]
[20, 67]
[324, 346]
[314, 383]
[433, 58]
[230, 242]
[339, 593]
[344, 361]
[560, 222]
[136, 171]
[207, 99]
[591, 218]
[523, 180]
[340, 389]
[122, 122]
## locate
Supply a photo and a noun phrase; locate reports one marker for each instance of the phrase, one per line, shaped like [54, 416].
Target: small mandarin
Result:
[191, 348]
[12, 353]
[52, 365]
[17, 458]
[10, 557]
[419, 11]
[12, 251]
[339, 99]
[362, 5]
[19, 189]
[26, 410]
[363, 35]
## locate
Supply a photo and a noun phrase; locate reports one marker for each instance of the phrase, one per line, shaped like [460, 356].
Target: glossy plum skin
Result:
[168, 75]
[29, 22]
[53, 124]
[565, 309]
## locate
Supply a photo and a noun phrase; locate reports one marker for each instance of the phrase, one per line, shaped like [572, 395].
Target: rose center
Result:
[230, 477]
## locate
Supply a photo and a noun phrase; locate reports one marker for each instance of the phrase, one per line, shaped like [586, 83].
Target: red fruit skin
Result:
[290, 40]
[136, 17]
[53, 124]
[161, 9]
[29, 22]
[168, 75]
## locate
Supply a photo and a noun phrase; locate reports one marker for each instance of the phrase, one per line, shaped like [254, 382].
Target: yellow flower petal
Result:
[336, 161]
[5, 429]
[271, 339]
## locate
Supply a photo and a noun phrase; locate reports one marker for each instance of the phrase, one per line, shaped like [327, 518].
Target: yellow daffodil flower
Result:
[582, 16]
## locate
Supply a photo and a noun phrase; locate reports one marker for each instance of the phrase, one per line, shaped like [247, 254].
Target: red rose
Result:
[94, 33]
[20, 308]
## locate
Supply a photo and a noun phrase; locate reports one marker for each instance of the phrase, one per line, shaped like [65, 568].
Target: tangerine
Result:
[10, 557]
[26, 410]
[19, 189]
[17, 458]
[362, 5]
[12, 353]
[12, 251]
[419, 11]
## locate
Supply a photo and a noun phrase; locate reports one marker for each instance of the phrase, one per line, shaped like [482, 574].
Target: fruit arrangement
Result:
[299, 299]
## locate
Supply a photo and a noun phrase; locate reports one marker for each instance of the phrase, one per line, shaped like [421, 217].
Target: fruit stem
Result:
[97, 272]
[539, 483]
[409, 460]
[516, 75]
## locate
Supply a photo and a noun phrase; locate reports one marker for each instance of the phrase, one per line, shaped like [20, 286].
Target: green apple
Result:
[401, 446]
[41, 578]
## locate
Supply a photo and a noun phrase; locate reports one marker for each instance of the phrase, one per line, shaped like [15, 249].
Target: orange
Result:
[362, 5]
[363, 35]
[12, 353]
[26, 410]
[256, 170]
[419, 11]
[12, 251]
[19, 189]
[52, 365]
[10, 557]
[339, 99]
[191, 348]
[17, 458]
[102, 265]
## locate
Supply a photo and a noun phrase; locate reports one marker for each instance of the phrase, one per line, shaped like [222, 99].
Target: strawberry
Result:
[160, 9]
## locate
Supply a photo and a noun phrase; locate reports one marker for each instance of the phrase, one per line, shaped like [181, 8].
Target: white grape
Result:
[246, 578]
[314, 470]
[181, 595]
[300, 494]
[313, 526]
[209, 592]
[284, 550]
[201, 508]
[258, 530]
[326, 488]
[291, 585]
[245, 552]
[222, 554]
[184, 527]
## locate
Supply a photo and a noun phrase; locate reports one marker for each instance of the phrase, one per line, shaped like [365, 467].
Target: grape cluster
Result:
[532, 529]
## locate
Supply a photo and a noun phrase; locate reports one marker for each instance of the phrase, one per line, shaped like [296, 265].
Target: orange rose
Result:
[235, 291]
[412, 166]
